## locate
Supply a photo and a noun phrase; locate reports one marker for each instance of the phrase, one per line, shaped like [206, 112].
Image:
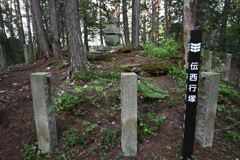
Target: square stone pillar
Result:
[227, 66]
[129, 113]
[208, 63]
[44, 111]
[207, 106]
[28, 54]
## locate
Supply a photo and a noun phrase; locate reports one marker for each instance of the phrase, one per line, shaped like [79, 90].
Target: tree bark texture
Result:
[135, 22]
[100, 21]
[55, 34]
[194, 12]
[157, 22]
[224, 25]
[42, 39]
[187, 26]
[144, 36]
[85, 27]
[117, 13]
[170, 9]
[2, 30]
[125, 23]
[77, 57]
[19, 23]
[11, 30]
[154, 5]
[2, 27]
[166, 19]
[28, 25]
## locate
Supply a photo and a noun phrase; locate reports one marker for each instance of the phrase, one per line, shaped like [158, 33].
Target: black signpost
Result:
[193, 67]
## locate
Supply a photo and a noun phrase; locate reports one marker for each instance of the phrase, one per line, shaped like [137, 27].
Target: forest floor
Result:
[94, 131]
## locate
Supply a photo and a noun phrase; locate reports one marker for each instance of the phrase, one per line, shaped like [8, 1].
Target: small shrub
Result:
[66, 101]
[90, 126]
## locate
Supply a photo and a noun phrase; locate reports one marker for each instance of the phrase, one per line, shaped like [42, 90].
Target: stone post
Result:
[3, 58]
[208, 63]
[28, 54]
[206, 109]
[129, 113]
[226, 69]
[44, 112]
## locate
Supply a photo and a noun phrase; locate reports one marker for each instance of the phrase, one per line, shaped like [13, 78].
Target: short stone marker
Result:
[129, 113]
[3, 58]
[44, 110]
[208, 63]
[28, 54]
[226, 68]
[206, 109]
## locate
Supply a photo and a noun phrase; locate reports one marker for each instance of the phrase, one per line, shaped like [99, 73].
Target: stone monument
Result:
[112, 32]
[112, 38]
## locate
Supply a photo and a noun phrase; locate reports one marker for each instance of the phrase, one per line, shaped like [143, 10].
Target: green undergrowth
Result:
[178, 73]
[98, 92]
[228, 111]
[227, 91]
[151, 90]
[148, 125]
[95, 73]
[168, 49]
[157, 69]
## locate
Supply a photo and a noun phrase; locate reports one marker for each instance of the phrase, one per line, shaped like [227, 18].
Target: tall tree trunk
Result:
[194, 12]
[144, 37]
[157, 21]
[125, 23]
[12, 35]
[2, 27]
[135, 22]
[154, 21]
[117, 12]
[166, 25]
[28, 24]
[167, 17]
[224, 25]
[85, 26]
[62, 26]
[42, 39]
[54, 24]
[19, 23]
[100, 19]
[44, 16]
[170, 8]
[2, 30]
[187, 26]
[77, 57]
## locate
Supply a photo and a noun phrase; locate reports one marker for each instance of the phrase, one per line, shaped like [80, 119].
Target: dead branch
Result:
[229, 127]
[26, 123]
[4, 100]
